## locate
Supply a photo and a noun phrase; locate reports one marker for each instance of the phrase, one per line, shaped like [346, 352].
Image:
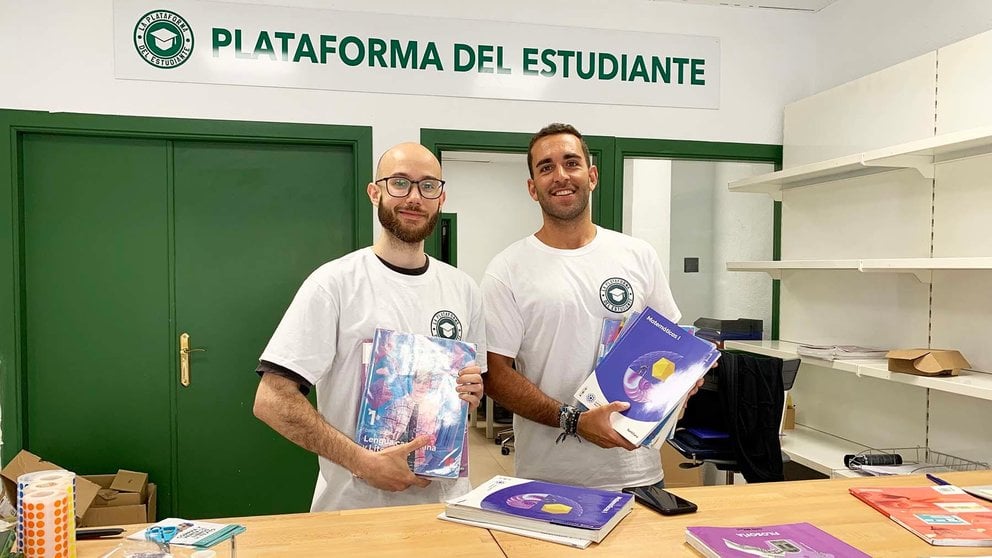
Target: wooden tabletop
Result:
[398, 532]
[415, 530]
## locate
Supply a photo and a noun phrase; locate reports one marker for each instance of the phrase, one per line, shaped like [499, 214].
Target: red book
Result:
[941, 515]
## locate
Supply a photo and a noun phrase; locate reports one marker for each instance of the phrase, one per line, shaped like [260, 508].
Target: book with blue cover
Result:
[545, 507]
[652, 366]
[409, 391]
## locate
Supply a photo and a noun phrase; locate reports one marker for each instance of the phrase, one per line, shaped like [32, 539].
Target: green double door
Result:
[127, 243]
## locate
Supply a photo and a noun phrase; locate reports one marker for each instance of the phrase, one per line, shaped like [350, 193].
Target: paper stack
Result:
[840, 352]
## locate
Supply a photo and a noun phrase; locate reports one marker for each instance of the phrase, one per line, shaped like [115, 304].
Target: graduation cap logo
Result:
[163, 39]
[616, 294]
[446, 324]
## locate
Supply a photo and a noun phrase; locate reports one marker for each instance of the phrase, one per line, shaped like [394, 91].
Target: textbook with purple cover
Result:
[795, 540]
[544, 507]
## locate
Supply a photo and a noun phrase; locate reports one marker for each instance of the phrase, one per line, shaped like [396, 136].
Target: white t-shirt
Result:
[320, 338]
[545, 308]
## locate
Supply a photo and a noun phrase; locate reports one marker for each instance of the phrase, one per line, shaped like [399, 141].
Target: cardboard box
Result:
[789, 419]
[675, 476]
[27, 462]
[96, 502]
[927, 362]
[130, 481]
[111, 507]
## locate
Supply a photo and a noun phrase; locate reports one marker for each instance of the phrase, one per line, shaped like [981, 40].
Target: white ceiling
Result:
[801, 5]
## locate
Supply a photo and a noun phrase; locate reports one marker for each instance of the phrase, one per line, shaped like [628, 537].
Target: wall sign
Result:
[250, 44]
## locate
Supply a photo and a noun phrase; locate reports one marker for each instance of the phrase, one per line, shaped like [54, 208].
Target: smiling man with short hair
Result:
[546, 298]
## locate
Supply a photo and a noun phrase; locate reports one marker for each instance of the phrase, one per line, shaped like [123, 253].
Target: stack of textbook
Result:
[564, 514]
[652, 365]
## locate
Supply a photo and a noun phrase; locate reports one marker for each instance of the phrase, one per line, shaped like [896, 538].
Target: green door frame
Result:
[452, 221]
[609, 154]
[14, 124]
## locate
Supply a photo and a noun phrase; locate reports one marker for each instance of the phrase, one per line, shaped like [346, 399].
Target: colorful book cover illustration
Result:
[652, 366]
[566, 510]
[409, 391]
[943, 515]
[612, 331]
[792, 540]
[665, 430]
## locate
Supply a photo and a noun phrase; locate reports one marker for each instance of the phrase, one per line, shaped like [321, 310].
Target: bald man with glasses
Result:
[394, 285]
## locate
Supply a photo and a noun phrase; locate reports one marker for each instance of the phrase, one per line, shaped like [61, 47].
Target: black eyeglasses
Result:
[400, 186]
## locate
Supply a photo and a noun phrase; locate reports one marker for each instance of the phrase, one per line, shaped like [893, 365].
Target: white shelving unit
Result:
[922, 268]
[863, 187]
[819, 451]
[968, 383]
[921, 155]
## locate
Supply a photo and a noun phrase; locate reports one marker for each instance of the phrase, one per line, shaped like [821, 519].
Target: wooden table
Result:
[398, 532]
[415, 531]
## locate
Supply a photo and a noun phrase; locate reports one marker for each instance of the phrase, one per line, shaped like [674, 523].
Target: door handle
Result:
[184, 352]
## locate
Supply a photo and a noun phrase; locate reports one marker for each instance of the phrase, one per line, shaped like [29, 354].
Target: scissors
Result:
[161, 534]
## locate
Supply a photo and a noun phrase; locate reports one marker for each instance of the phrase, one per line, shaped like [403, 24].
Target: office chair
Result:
[504, 439]
[735, 420]
[504, 436]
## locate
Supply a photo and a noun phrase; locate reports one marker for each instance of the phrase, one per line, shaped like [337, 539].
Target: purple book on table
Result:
[795, 540]
[558, 509]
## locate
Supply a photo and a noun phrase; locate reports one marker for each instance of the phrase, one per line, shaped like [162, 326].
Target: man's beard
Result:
[564, 213]
[391, 223]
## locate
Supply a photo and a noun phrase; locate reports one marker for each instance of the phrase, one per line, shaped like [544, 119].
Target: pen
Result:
[937, 480]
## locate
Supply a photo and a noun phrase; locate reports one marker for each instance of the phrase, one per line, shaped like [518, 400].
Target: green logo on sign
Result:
[163, 39]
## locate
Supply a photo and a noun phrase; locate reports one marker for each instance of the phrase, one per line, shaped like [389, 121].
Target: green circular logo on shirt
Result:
[163, 39]
[446, 324]
[616, 294]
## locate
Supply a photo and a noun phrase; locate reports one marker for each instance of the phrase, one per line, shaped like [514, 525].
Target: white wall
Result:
[692, 236]
[684, 209]
[743, 226]
[647, 208]
[854, 38]
[493, 206]
[59, 57]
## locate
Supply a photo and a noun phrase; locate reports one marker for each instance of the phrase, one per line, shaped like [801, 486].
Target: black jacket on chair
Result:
[746, 402]
[752, 393]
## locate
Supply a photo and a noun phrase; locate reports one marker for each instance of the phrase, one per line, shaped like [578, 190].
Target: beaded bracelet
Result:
[568, 419]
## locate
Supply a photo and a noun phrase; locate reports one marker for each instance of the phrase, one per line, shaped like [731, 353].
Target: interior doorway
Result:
[684, 209]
